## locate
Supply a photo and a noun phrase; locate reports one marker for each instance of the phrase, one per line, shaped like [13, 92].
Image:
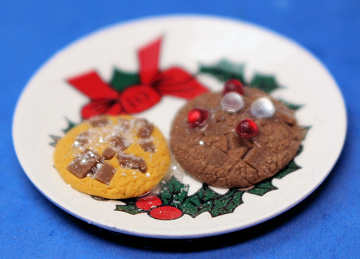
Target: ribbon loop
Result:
[154, 83]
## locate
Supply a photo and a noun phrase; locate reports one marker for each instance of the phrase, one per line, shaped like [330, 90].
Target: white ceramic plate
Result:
[188, 40]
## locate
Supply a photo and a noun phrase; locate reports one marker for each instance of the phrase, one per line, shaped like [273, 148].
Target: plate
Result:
[211, 49]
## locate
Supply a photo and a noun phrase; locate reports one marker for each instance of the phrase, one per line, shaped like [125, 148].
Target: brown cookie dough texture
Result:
[214, 154]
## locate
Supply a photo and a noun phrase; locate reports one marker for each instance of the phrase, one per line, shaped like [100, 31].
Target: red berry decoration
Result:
[233, 85]
[197, 117]
[166, 213]
[247, 129]
[148, 202]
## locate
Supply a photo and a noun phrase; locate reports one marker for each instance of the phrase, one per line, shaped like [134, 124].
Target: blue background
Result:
[326, 225]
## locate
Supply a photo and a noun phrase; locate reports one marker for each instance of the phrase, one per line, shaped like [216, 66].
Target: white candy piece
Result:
[262, 108]
[232, 102]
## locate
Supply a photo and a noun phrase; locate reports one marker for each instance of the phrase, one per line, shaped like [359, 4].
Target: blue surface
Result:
[326, 225]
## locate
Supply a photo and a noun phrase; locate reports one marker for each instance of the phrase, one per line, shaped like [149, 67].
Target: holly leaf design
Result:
[224, 70]
[121, 80]
[266, 186]
[199, 202]
[291, 106]
[227, 203]
[306, 128]
[173, 192]
[70, 125]
[98, 198]
[205, 199]
[291, 167]
[129, 207]
[262, 188]
[264, 82]
[54, 140]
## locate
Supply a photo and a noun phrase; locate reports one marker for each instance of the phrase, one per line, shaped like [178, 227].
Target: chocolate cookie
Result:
[215, 152]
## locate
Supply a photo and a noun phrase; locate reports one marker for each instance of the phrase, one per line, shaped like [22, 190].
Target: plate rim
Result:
[182, 16]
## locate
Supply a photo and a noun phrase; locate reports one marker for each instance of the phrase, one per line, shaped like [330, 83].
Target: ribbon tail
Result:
[91, 85]
[95, 107]
[148, 57]
[115, 109]
[178, 82]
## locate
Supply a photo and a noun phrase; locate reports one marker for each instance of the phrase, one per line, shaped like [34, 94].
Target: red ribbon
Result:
[154, 84]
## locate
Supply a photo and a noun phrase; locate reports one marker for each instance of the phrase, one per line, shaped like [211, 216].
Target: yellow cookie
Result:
[113, 157]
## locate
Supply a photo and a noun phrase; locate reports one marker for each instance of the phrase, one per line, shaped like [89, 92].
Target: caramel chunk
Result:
[118, 143]
[83, 164]
[148, 146]
[124, 124]
[104, 172]
[145, 128]
[108, 153]
[82, 139]
[132, 162]
[98, 121]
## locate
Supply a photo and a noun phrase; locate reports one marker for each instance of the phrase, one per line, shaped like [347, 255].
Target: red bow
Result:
[154, 84]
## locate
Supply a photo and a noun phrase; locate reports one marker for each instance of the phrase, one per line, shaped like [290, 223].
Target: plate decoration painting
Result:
[163, 134]
[129, 93]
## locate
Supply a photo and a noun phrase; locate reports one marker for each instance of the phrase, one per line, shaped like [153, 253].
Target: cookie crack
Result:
[256, 172]
[246, 152]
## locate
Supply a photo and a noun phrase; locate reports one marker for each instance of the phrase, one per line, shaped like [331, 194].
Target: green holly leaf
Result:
[301, 148]
[264, 82]
[54, 140]
[199, 202]
[227, 203]
[98, 198]
[207, 200]
[173, 192]
[292, 106]
[306, 128]
[224, 70]
[262, 188]
[129, 207]
[291, 167]
[121, 80]
[70, 125]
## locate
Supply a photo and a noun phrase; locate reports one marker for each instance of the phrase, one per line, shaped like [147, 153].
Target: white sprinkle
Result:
[147, 174]
[83, 161]
[91, 154]
[201, 143]
[123, 174]
[203, 128]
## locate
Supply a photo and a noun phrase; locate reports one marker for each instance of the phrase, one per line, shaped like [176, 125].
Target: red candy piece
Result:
[166, 213]
[148, 202]
[247, 129]
[233, 85]
[197, 117]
